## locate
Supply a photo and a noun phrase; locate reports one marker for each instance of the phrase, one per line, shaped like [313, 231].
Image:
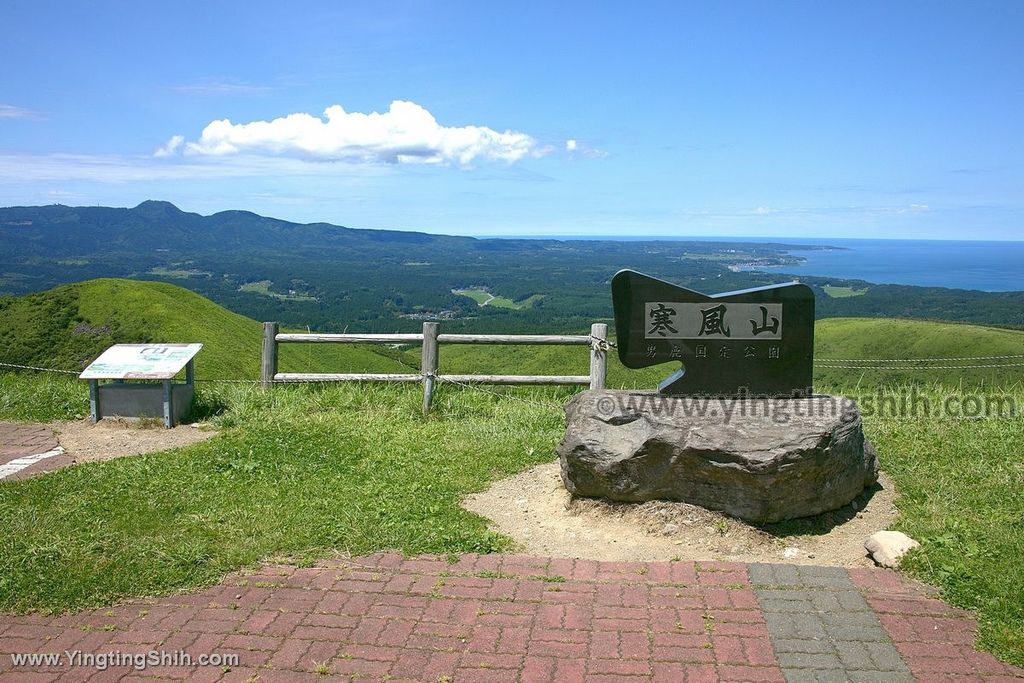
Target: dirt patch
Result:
[113, 438]
[535, 509]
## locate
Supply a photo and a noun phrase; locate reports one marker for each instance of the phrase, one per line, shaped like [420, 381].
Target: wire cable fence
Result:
[921, 366]
[881, 364]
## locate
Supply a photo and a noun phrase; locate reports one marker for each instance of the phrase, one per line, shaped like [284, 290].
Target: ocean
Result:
[988, 266]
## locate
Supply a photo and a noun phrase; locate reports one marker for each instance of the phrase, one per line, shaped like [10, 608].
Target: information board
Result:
[141, 361]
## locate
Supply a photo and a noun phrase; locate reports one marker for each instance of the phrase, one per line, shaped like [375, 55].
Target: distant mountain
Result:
[333, 278]
[58, 230]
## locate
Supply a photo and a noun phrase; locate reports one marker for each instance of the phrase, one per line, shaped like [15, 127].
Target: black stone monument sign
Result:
[758, 342]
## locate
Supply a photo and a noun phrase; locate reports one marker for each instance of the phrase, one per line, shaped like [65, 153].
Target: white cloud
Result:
[9, 111]
[405, 134]
[576, 147]
[171, 147]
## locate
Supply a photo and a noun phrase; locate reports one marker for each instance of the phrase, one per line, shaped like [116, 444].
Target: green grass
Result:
[262, 287]
[885, 338]
[484, 298]
[36, 397]
[897, 338]
[67, 327]
[843, 292]
[961, 486]
[961, 494]
[298, 471]
[179, 273]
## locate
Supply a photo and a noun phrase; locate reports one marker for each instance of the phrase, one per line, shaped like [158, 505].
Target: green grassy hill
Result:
[866, 341]
[68, 326]
[952, 346]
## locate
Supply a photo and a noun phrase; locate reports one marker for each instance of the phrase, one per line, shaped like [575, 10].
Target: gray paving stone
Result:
[821, 628]
[880, 677]
[785, 594]
[807, 660]
[791, 625]
[855, 655]
[854, 619]
[809, 645]
[824, 601]
[838, 601]
[815, 571]
[774, 605]
[857, 633]
[809, 626]
[761, 574]
[782, 626]
[886, 657]
[831, 676]
[831, 582]
[852, 600]
[774, 575]
[817, 676]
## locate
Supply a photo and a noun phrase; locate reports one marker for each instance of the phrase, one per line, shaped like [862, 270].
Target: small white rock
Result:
[790, 553]
[887, 547]
[669, 529]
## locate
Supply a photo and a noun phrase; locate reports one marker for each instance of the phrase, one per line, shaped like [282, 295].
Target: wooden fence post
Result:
[428, 363]
[598, 355]
[268, 365]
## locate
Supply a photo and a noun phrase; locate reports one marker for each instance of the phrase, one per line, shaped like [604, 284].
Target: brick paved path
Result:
[19, 442]
[521, 619]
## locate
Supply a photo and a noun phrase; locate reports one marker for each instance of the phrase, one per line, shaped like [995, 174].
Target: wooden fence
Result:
[428, 375]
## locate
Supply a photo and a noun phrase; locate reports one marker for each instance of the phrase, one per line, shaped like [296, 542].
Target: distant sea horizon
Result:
[992, 266]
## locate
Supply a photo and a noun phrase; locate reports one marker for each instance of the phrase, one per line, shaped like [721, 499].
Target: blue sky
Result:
[893, 119]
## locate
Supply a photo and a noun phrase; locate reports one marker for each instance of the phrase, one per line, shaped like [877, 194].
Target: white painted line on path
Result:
[18, 464]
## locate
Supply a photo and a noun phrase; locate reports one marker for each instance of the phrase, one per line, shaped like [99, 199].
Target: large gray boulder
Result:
[759, 460]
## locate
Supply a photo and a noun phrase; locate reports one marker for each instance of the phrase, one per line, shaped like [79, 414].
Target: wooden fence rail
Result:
[430, 339]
